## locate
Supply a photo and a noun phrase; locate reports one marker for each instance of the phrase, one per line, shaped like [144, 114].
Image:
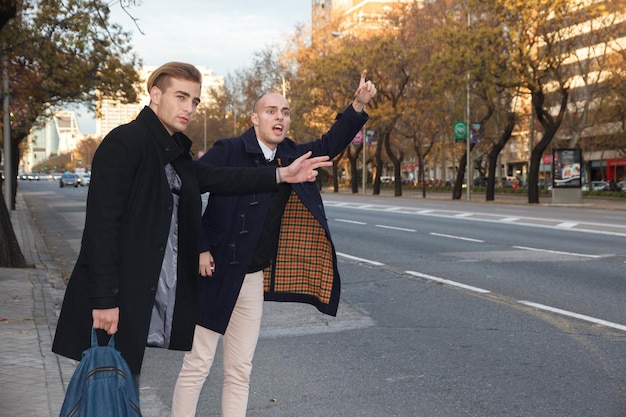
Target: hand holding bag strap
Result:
[94, 339]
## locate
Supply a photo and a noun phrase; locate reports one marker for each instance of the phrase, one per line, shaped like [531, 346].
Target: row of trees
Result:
[556, 63]
[56, 53]
[551, 71]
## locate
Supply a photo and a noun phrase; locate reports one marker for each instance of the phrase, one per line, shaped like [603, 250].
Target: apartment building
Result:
[59, 135]
[352, 16]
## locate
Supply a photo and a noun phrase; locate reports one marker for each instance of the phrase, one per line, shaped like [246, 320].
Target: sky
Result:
[219, 34]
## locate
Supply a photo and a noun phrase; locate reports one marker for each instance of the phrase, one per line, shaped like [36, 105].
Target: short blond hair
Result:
[161, 77]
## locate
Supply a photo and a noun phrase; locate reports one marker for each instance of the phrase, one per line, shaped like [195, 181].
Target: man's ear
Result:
[254, 118]
[155, 94]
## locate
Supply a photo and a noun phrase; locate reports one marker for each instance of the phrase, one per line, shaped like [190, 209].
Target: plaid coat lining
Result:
[304, 261]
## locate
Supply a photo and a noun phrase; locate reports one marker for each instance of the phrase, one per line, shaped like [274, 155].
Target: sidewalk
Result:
[32, 378]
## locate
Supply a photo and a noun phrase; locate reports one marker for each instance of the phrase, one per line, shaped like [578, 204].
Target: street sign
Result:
[475, 133]
[460, 131]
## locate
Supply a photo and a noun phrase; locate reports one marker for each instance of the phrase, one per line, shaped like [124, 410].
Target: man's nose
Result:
[189, 107]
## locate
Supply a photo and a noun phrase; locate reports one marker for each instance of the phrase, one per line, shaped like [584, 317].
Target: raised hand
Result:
[364, 93]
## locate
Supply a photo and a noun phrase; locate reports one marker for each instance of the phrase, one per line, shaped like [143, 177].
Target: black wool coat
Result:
[232, 226]
[128, 216]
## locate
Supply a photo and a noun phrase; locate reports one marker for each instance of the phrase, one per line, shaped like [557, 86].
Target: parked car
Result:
[68, 179]
[622, 185]
[480, 181]
[599, 186]
[510, 182]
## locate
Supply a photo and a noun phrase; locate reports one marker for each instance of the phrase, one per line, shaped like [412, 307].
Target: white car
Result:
[599, 186]
[85, 179]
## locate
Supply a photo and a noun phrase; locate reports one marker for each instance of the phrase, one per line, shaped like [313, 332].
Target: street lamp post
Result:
[364, 166]
[8, 169]
[468, 164]
[204, 114]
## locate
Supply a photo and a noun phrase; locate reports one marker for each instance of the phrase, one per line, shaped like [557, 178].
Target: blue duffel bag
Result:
[102, 385]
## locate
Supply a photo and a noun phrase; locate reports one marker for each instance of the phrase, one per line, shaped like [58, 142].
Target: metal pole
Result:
[204, 113]
[364, 167]
[8, 169]
[468, 164]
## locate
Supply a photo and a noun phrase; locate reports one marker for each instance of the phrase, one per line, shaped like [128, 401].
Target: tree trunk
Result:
[550, 126]
[335, 177]
[10, 253]
[493, 155]
[397, 183]
[354, 172]
[8, 11]
[379, 163]
[397, 164]
[420, 174]
[457, 191]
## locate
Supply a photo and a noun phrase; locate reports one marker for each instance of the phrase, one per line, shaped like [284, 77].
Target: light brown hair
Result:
[161, 77]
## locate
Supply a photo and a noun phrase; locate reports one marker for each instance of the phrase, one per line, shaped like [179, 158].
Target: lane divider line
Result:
[558, 252]
[483, 291]
[574, 315]
[354, 258]
[457, 237]
[382, 226]
[510, 219]
[447, 281]
[349, 221]
[567, 224]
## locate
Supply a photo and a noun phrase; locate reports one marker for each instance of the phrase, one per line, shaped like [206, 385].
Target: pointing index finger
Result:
[363, 74]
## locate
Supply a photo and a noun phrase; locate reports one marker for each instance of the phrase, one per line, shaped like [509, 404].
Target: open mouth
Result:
[278, 129]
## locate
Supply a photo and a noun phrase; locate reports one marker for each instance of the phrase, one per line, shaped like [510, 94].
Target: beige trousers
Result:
[239, 343]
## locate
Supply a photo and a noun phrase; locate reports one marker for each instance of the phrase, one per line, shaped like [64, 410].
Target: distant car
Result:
[68, 179]
[622, 185]
[599, 186]
[480, 181]
[510, 182]
[84, 179]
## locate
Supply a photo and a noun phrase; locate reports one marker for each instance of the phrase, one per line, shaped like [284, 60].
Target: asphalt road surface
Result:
[448, 309]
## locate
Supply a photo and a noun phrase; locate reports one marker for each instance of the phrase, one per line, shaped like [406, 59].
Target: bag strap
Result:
[94, 339]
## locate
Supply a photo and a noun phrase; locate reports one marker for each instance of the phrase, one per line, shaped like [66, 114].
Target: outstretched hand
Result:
[304, 169]
[364, 93]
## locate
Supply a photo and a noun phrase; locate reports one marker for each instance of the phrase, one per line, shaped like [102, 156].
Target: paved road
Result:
[402, 345]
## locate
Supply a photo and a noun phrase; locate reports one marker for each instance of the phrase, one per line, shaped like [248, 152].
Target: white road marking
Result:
[483, 291]
[567, 224]
[510, 219]
[382, 226]
[558, 252]
[447, 281]
[575, 315]
[354, 258]
[457, 237]
[349, 221]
